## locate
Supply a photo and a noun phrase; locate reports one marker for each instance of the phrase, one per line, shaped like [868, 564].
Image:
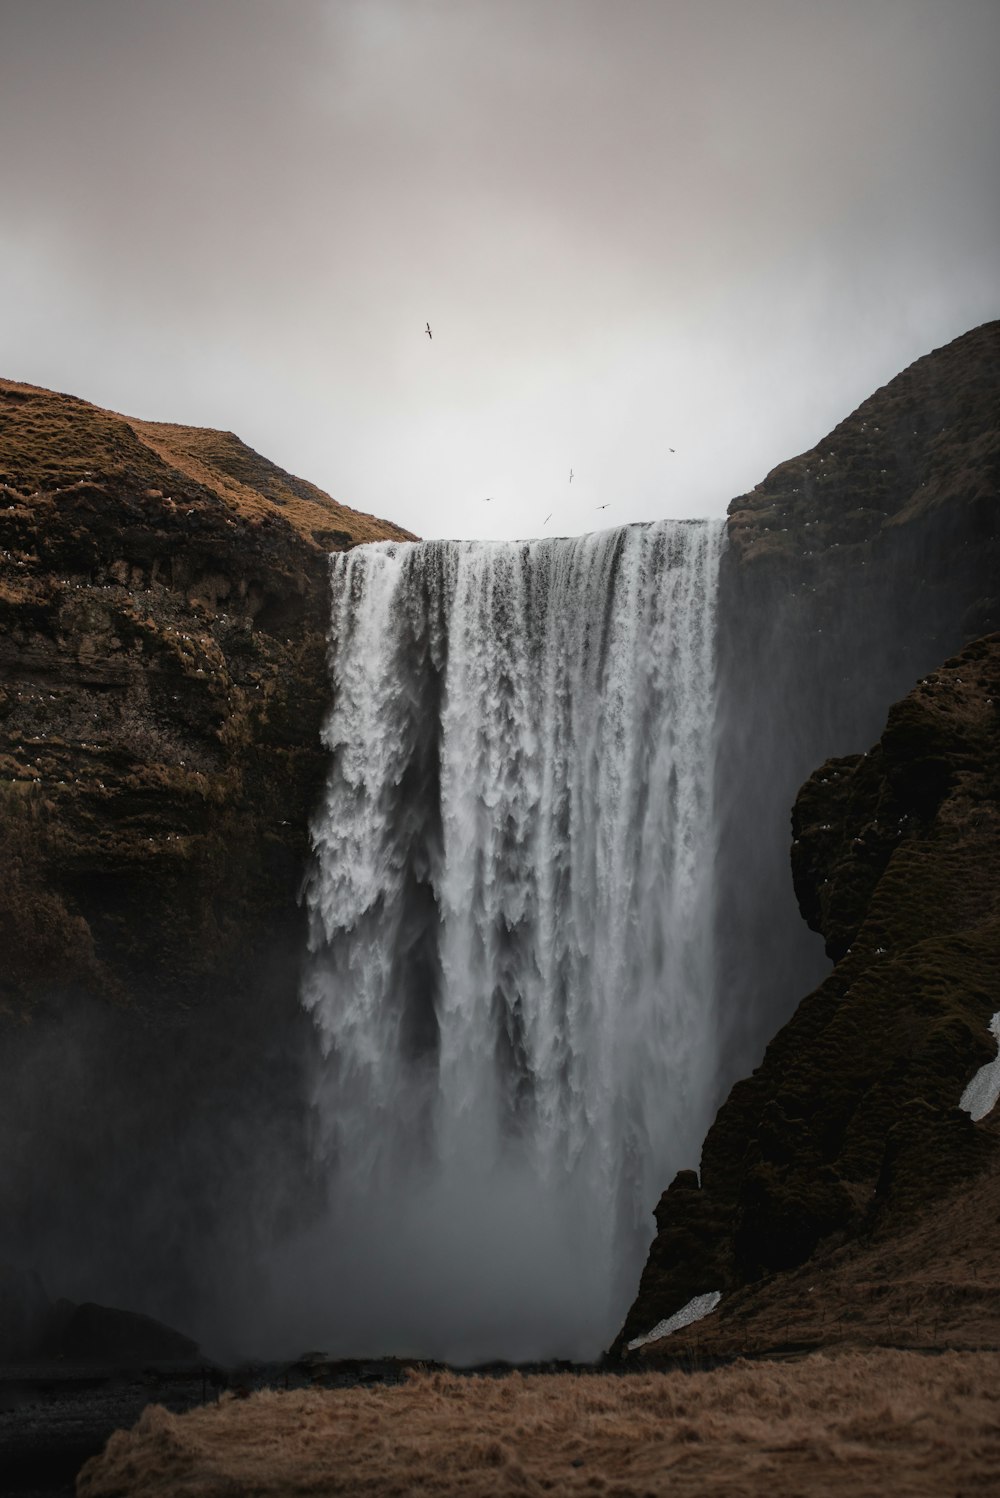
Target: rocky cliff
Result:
[851, 1125]
[163, 608]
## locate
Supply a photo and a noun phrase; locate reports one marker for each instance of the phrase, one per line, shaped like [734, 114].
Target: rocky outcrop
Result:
[919, 458]
[34, 1329]
[851, 1123]
[163, 607]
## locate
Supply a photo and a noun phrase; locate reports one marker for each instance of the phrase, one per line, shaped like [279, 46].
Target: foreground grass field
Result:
[853, 1423]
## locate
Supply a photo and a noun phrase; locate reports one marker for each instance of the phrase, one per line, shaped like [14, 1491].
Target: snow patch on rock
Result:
[980, 1097]
[701, 1305]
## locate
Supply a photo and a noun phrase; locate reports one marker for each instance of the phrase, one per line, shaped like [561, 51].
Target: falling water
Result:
[511, 916]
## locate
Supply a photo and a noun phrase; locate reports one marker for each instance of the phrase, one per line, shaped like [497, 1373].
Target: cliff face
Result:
[921, 455]
[851, 571]
[163, 606]
[163, 609]
[851, 1123]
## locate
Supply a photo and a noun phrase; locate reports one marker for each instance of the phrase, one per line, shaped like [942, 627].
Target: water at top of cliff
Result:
[511, 917]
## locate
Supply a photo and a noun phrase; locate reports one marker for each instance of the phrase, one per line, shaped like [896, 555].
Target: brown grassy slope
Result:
[56, 440]
[856, 1424]
[256, 487]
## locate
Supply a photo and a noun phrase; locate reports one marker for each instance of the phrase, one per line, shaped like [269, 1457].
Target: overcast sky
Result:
[633, 225]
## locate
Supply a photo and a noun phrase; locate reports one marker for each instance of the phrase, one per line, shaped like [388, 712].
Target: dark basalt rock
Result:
[851, 1123]
[34, 1329]
[103, 1334]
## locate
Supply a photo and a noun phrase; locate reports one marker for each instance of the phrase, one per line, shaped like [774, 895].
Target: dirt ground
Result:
[851, 1423]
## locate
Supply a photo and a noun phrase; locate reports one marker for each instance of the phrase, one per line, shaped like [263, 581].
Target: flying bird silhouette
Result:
[429, 333]
[603, 507]
[672, 449]
[571, 475]
[547, 518]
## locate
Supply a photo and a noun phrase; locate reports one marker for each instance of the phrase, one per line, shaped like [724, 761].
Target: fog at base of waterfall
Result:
[511, 915]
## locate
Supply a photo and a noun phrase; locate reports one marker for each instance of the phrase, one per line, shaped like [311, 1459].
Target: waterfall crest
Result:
[511, 918]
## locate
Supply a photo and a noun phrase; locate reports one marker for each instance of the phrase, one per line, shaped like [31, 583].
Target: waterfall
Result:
[511, 910]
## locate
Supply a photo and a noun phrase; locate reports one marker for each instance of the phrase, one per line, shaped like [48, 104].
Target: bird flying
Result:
[547, 518]
[429, 333]
[571, 475]
[603, 507]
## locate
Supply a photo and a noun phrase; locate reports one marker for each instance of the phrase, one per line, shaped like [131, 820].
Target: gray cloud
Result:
[711, 226]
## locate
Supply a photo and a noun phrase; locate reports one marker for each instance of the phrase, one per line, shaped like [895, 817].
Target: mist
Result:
[510, 910]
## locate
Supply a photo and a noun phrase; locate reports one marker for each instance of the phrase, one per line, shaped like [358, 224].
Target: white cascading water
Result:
[511, 918]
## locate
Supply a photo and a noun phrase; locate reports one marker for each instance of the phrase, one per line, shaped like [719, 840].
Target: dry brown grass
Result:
[50, 442]
[253, 486]
[852, 1424]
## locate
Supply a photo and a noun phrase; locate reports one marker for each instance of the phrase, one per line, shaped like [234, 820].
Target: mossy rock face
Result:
[851, 1124]
[163, 615]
